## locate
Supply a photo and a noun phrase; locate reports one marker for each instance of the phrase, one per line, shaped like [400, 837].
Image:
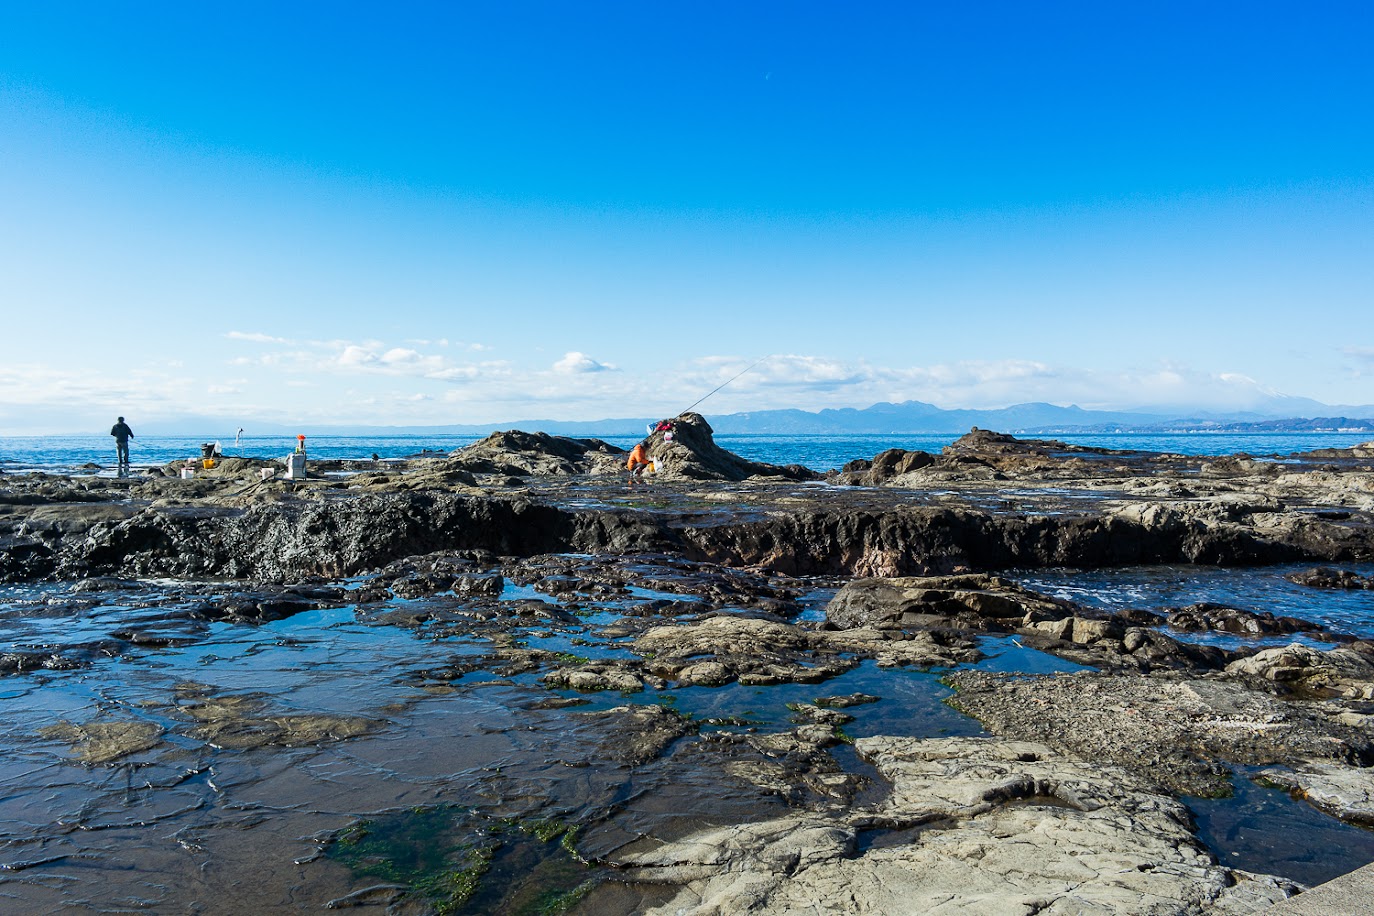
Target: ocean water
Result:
[821, 453]
[1257, 589]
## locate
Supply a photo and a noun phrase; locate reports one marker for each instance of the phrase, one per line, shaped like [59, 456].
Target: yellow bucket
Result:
[207, 463]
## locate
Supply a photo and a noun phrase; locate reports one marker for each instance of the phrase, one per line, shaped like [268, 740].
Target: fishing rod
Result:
[726, 382]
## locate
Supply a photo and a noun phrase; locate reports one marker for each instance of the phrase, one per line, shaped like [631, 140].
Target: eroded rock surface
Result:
[971, 825]
[692, 454]
[1179, 733]
[1347, 671]
[522, 454]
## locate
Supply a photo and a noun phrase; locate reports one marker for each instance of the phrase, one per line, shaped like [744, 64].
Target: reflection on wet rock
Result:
[105, 741]
[241, 721]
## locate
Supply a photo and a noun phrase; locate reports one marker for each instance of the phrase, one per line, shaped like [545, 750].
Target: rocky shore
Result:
[1068, 795]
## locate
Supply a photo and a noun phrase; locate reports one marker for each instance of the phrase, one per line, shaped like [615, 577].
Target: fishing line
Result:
[726, 382]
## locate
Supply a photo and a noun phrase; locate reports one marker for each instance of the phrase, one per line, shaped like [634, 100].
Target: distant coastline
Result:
[907, 418]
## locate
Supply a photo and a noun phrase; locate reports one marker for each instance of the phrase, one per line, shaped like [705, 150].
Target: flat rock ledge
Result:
[971, 826]
[1180, 734]
[1346, 792]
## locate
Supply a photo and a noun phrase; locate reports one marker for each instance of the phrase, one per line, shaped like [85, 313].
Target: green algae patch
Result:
[459, 862]
[570, 658]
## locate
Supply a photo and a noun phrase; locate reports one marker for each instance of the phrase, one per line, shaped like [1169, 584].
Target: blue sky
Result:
[453, 213]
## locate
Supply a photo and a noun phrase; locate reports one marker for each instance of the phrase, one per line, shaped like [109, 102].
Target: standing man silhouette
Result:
[122, 434]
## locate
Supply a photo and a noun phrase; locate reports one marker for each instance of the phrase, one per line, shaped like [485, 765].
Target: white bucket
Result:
[187, 473]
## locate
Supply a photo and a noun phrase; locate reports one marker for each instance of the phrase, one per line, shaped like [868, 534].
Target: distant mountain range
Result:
[909, 417]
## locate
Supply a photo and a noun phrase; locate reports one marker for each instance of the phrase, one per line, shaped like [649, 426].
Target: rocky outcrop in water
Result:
[976, 602]
[1347, 671]
[1221, 618]
[687, 451]
[521, 454]
[1326, 577]
[692, 454]
[988, 604]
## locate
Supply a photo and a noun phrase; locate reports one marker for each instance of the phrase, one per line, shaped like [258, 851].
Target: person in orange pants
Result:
[637, 462]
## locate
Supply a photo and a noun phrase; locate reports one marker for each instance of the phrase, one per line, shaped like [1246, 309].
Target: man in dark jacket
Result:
[122, 434]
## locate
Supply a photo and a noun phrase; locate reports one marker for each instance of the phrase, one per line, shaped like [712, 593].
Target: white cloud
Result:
[256, 337]
[456, 373]
[356, 356]
[812, 383]
[575, 363]
[372, 381]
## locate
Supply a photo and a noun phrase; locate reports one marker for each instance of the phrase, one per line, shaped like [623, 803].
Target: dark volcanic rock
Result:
[1364, 450]
[1326, 577]
[928, 541]
[975, 602]
[692, 453]
[987, 442]
[268, 603]
[55, 527]
[883, 468]
[1207, 616]
[522, 454]
[702, 586]
[980, 603]
[23, 662]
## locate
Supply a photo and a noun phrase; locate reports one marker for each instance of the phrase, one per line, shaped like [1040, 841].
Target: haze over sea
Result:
[821, 453]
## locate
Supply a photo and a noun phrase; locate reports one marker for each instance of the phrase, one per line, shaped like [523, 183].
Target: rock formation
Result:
[970, 825]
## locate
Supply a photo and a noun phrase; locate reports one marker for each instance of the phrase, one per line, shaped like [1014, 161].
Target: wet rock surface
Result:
[1221, 618]
[941, 606]
[969, 602]
[713, 693]
[1346, 792]
[1326, 577]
